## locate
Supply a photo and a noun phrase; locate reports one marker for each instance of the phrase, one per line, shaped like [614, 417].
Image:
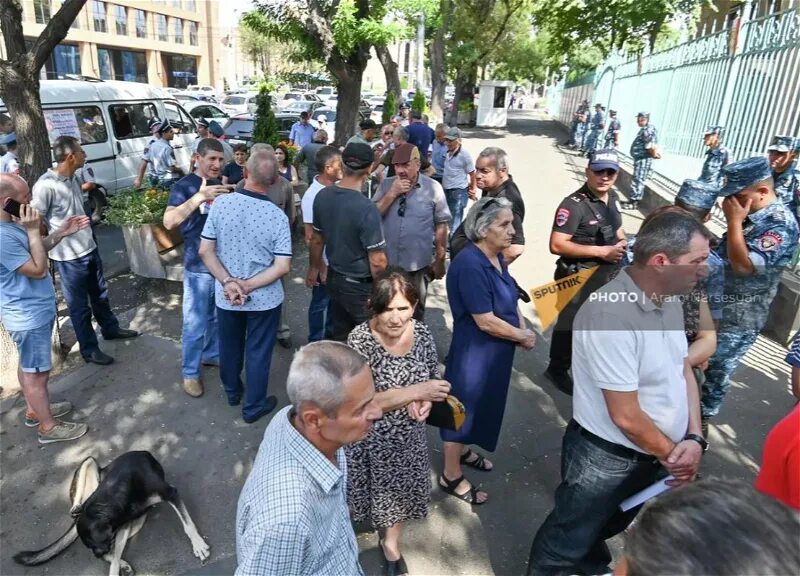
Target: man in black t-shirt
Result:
[587, 233]
[492, 177]
[348, 226]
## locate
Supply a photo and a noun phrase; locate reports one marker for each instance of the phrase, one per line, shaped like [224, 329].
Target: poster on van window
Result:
[61, 123]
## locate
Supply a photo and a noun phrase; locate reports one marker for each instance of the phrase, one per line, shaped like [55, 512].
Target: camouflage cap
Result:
[697, 194]
[782, 144]
[713, 130]
[743, 174]
[643, 115]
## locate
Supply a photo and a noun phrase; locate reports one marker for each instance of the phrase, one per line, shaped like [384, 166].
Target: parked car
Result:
[330, 121]
[301, 106]
[376, 101]
[365, 108]
[377, 114]
[111, 120]
[325, 91]
[204, 90]
[239, 129]
[238, 103]
[200, 109]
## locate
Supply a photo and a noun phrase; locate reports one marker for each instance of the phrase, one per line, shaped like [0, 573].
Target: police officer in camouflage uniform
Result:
[580, 132]
[717, 157]
[576, 120]
[758, 244]
[643, 151]
[596, 126]
[614, 127]
[783, 160]
[587, 233]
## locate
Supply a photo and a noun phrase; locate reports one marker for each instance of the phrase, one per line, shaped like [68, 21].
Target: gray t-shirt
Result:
[351, 225]
[456, 169]
[58, 198]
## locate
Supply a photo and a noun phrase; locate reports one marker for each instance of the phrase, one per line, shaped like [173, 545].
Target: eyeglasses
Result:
[610, 172]
[387, 133]
[401, 209]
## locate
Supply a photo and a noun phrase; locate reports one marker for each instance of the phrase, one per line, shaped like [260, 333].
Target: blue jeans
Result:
[320, 320]
[456, 201]
[34, 347]
[594, 481]
[86, 293]
[200, 336]
[246, 340]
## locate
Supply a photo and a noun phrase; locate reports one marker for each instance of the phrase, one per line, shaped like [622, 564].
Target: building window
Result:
[41, 9]
[65, 60]
[121, 17]
[176, 3]
[181, 70]
[193, 33]
[99, 16]
[141, 24]
[161, 21]
[178, 31]
[191, 6]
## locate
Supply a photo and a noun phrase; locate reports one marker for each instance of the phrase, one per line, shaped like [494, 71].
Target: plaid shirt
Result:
[292, 517]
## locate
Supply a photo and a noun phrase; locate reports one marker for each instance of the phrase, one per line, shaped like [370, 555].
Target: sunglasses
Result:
[610, 172]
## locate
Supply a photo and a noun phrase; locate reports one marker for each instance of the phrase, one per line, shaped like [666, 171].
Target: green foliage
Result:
[389, 108]
[404, 82]
[131, 207]
[266, 127]
[419, 102]
[526, 60]
[466, 106]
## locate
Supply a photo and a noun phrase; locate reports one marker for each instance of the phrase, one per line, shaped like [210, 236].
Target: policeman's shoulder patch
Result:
[146, 149]
[770, 241]
[90, 171]
[562, 216]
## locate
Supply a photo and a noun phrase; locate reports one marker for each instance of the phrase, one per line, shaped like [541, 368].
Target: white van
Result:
[111, 119]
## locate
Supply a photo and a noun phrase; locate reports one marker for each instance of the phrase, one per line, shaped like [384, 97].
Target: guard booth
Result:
[495, 96]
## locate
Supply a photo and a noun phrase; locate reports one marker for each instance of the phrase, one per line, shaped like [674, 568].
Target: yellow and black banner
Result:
[552, 298]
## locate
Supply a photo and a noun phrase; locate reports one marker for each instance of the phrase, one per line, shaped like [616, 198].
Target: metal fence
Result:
[746, 78]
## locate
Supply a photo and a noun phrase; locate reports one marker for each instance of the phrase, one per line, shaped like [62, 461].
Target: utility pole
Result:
[421, 52]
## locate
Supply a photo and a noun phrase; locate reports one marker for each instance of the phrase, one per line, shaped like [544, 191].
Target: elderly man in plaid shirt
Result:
[292, 516]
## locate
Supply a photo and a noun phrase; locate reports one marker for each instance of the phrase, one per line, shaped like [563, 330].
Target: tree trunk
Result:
[465, 90]
[348, 75]
[436, 53]
[390, 70]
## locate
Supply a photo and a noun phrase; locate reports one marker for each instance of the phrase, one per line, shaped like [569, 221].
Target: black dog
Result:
[109, 506]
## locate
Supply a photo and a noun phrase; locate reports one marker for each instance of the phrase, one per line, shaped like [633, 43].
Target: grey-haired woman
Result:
[487, 328]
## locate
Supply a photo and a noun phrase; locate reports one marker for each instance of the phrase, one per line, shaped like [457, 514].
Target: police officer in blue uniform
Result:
[165, 169]
[760, 239]
[587, 233]
[612, 133]
[717, 157]
[643, 152]
[145, 165]
[782, 154]
[596, 125]
[576, 120]
[580, 132]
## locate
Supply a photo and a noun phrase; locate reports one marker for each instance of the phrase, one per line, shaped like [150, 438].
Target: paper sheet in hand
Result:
[645, 495]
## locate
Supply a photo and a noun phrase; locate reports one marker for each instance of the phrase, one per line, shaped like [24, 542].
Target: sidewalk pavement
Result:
[207, 450]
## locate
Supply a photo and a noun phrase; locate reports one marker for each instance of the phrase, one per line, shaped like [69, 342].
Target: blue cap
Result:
[603, 159]
[697, 194]
[215, 129]
[154, 123]
[643, 115]
[164, 126]
[713, 130]
[743, 174]
[782, 144]
[201, 122]
[7, 139]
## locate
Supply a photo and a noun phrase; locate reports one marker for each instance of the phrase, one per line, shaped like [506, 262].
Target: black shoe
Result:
[285, 342]
[394, 567]
[121, 334]
[561, 379]
[98, 357]
[272, 401]
[632, 205]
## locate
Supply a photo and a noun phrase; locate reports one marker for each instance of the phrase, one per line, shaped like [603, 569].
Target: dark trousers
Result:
[320, 323]
[86, 293]
[421, 278]
[348, 303]
[246, 340]
[595, 479]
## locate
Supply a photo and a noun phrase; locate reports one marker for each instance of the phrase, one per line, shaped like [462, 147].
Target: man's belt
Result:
[353, 279]
[611, 447]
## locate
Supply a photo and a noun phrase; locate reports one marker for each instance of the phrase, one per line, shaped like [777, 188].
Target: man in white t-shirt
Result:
[636, 405]
[328, 162]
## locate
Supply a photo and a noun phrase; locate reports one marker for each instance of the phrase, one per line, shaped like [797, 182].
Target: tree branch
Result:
[500, 31]
[11, 26]
[55, 31]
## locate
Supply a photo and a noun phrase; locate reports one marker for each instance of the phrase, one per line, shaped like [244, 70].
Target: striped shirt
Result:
[292, 517]
[793, 357]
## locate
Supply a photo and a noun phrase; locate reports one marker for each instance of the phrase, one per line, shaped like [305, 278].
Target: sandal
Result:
[449, 487]
[479, 463]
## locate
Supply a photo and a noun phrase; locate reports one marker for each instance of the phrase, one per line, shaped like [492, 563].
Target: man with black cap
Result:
[348, 226]
[302, 132]
[643, 152]
[759, 242]
[216, 132]
[783, 162]
[153, 125]
[9, 163]
[404, 110]
[420, 134]
[164, 170]
[614, 127]
[717, 157]
[367, 134]
[587, 233]
[415, 217]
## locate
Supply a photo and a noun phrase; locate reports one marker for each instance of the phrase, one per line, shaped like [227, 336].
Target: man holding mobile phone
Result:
[190, 199]
[28, 305]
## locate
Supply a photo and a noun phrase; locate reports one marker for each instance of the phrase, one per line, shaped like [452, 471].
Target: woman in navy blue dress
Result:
[487, 328]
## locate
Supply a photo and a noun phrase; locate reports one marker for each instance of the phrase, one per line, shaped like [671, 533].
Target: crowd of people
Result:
[646, 350]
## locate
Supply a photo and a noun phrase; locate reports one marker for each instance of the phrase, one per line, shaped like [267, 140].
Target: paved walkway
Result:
[207, 450]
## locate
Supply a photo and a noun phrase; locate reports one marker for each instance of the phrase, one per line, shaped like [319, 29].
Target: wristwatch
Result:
[699, 439]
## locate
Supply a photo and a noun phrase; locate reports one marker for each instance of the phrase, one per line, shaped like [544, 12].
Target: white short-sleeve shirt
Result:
[623, 342]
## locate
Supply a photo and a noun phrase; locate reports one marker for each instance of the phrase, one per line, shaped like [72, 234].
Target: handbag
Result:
[448, 414]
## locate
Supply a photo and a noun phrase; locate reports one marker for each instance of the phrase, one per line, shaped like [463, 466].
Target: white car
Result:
[377, 114]
[292, 97]
[238, 103]
[376, 101]
[206, 90]
[198, 109]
